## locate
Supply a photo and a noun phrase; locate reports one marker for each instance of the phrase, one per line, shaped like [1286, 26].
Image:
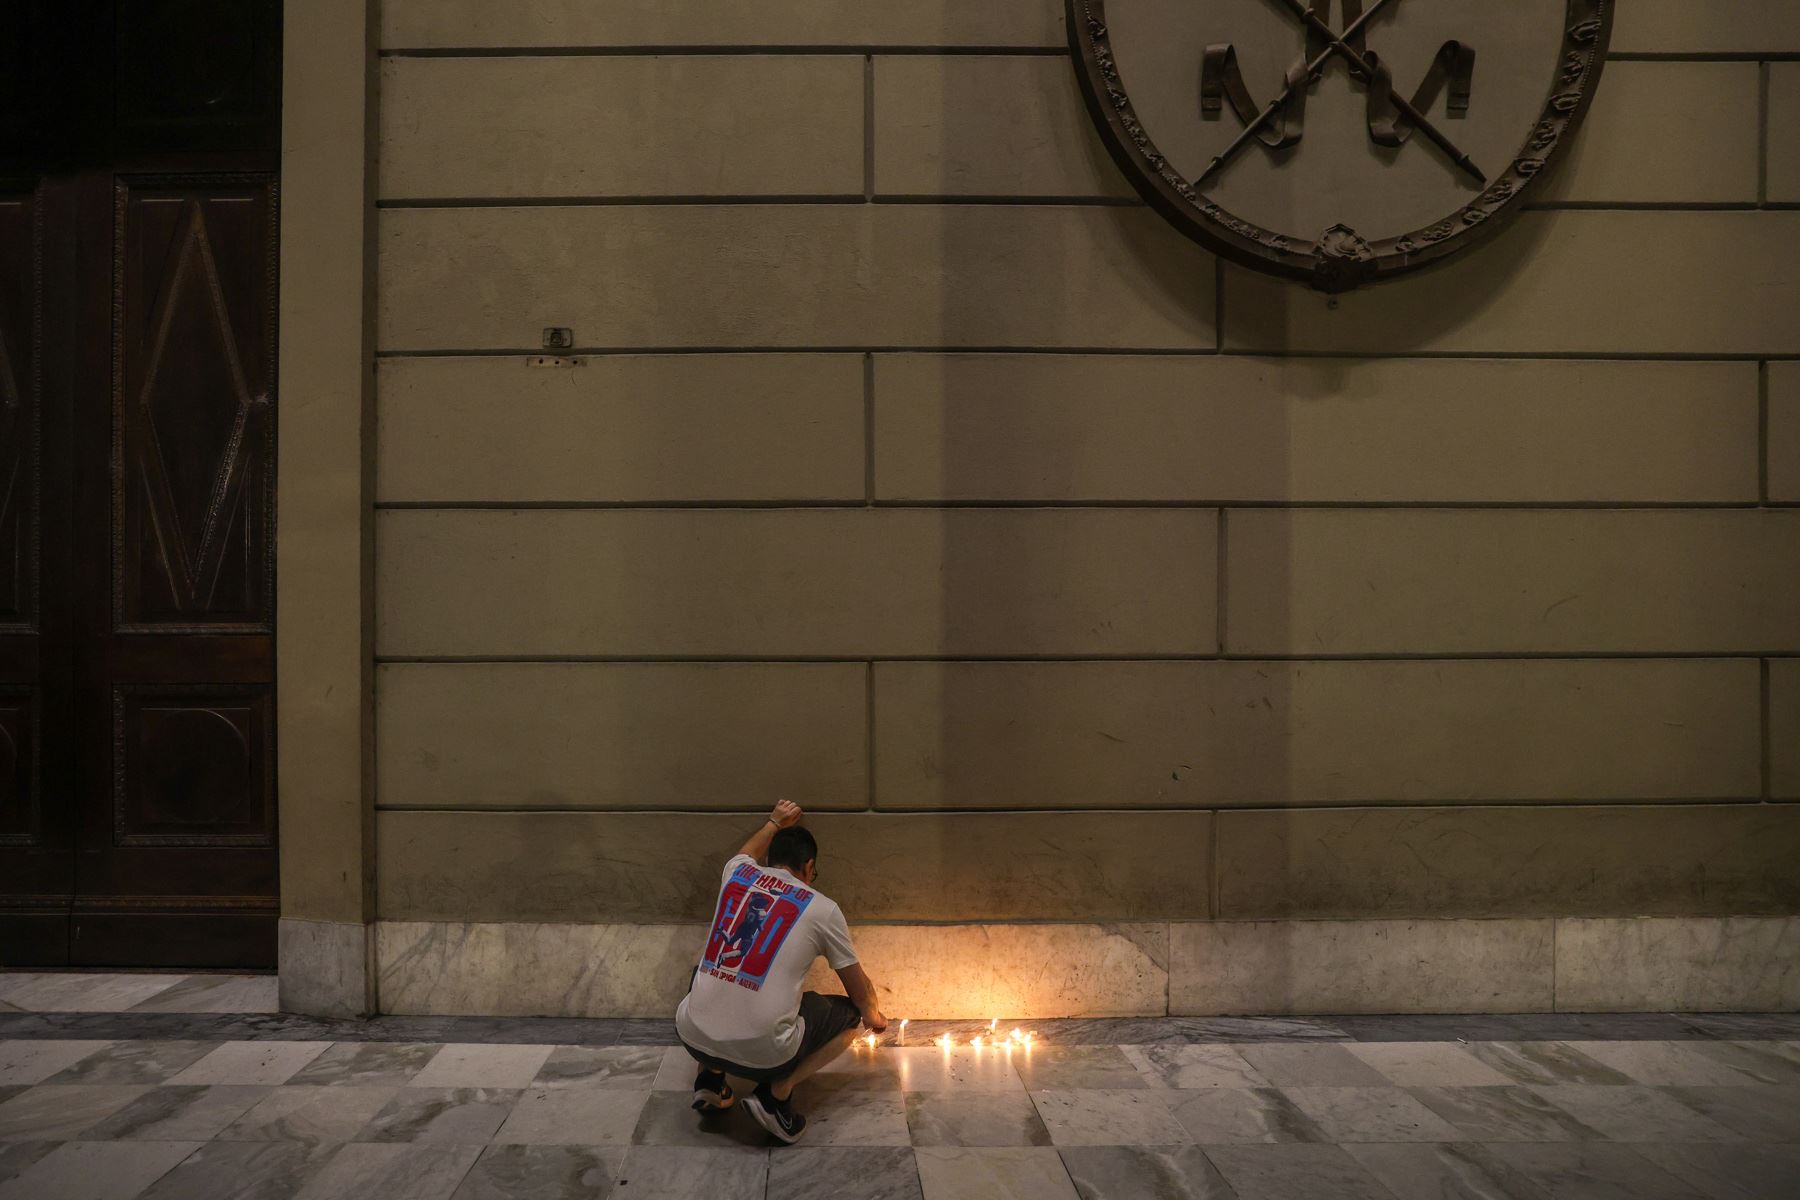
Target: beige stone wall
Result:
[1261, 648]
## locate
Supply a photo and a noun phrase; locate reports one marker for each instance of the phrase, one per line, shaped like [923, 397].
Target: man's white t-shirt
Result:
[766, 930]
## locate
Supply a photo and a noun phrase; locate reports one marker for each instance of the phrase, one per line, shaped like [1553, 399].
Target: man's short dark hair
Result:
[792, 848]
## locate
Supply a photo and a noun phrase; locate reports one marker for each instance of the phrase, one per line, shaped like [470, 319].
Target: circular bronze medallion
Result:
[1338, 142]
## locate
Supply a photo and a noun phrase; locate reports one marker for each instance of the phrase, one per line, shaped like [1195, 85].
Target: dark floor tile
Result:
[189, 1113]
[1294, 1170]
[1593, 1171]
[543, 1173]
[1545, 1063]
[1731, 1172]
[686, 1173]
[844, 1173]
[134, 1062]
[441, 1115]
[1144, 1173]
[366, 1065]
[974, 1119]
[668, 1119]
[242, 1171]
[1758, 1026]
[1761, 1114]
[1445, 1171]
[1504, 1114]
[16, 1156]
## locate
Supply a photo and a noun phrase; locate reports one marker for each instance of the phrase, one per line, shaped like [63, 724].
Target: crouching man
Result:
[745, 1015]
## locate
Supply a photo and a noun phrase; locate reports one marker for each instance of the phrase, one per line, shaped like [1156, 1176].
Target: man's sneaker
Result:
[776, 1116]
[711, 1091]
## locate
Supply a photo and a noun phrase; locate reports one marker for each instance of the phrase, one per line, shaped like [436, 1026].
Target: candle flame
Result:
[946, 1041]
[870, 1039]
[975, 1041]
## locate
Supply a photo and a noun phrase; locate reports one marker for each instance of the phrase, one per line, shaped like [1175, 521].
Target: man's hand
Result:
[786, 813]
[875, 1021]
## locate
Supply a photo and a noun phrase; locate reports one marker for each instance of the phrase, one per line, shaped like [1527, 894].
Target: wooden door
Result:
[138, 666]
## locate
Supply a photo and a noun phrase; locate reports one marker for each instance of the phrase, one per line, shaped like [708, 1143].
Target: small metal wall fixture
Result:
[1383, 182]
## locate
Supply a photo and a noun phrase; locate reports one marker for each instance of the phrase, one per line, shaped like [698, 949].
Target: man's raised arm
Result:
[786, 813]
[862, 994]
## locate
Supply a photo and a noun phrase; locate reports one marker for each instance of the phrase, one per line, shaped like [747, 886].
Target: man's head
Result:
[795, 851]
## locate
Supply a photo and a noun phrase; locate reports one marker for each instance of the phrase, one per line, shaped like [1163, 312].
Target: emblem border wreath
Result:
[1339, 259]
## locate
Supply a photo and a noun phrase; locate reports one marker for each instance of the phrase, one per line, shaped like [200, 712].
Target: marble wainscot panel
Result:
[324, 968]
[1731, 964]
[534, 970]
[1360, 966]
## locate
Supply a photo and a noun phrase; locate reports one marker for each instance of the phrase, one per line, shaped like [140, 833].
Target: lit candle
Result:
[870, 1040]
[946, 1041]
[903, 1031]
[1016, 1035]
[993, 1024]
[975, 1041]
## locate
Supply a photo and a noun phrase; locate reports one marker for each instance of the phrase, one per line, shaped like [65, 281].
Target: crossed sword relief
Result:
[1221, 80]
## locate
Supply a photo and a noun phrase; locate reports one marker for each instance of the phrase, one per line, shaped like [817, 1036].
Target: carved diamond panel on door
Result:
[193, 766]
[21, 821]
[193, 384]
[21, 330]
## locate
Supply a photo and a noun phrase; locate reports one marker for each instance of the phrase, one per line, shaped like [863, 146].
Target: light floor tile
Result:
[482, 1066]
[35, 1061]
[1060, 1068]
[1178, 1066]
[265, 1063]
[1427, 1064]
[1370, 1114]
[216, 994]
[1129, 1172]
[1763, 1062]
[313, 1115]
[674, 1073]
[1634, 1114]
[543, 1173]
[1543, 1062]
[1665, 1063]
[1234, 1116]
[974, 1119]
[668, 1119]
[1092, 1117]
[367, 1064]
[573, 1116]
[87, 992]
[242, 1171]
[929, 1069]
[96, 1171]
[1310, 1064]
[1762, 1114]
[441, 1115]
[623, 1068]
[1437, 1170]
[1593, 1171]
[1730, 1172]
[134, 1062]
[55, 1112]
[841, 1112]
[391, 1172]
[992, 1173]
[1504, 1114]
[1289, 1172]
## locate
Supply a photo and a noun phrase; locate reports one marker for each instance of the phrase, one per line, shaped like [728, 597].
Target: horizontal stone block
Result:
[620, 735]
[1666, 132]
[1198, 428]
[419, 24]
[1784, 432]
[780, 583]
[1699, 860]
[551, 866]
[1193, 734]
[654, 276]
[1650, 282]
[1442, 581]
[1738, 964]
[662, 125]
[643, 428]
[1230, 967]
[1016, 972]
[1784, 128]
[1716, 27]
[1784, 727]
[459, 968]
[980, 125]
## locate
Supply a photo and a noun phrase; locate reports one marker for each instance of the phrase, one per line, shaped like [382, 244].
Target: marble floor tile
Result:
[1255, 1029]
[929, 1069]
[1112, 1117]
[177, 1114]
[134, 1062]
[1427, 1064]
[1723, 1172]
[667, 1119]
[1634, 1114]
[674, 1073]
[215, 994]
[482, 1066]
[313, 1115]
[51, 1113]
[1310, 1064]
[1371, 1114]
[992, 1173]
[974, 1119]
[843, 1173]
[1762, 1114]
[1665, 1063]
[242, 1171]
[251, 1063]
[842, 1111]
[393, 1171]
[12, 981]
[1144, 1173]
[1061, 1068]
[36, 1061]
[366, 1064]
[542, 1173]
[96, 1171]
[624, 1068]
[16, 1156]
[1592, 1171]
[573, 1117]
[1763, 1062]
[1782, 1026]
[1504, 1114]
[441, 1115]
[1445, 1171]
[83, 992]
[1236, 1116]
[683, 1173]
[9, 1007]
[1206, 1065]
[1295, 1171]
[1543, 1062]
[861, 1070]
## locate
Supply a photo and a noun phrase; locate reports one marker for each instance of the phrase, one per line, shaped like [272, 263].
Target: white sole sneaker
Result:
[770, 1121]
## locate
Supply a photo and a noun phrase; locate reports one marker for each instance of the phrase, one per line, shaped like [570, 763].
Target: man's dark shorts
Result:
[826, 1017]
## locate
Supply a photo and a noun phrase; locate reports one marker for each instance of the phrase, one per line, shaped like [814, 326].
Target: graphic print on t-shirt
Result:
[757, 910]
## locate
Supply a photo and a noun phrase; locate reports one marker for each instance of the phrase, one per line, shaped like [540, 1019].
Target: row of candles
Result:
[1018, 1039]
